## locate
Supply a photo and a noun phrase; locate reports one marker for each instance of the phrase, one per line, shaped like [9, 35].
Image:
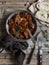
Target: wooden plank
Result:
[6, 61]
[7, 0]
[11, 3]
[12, 6]
[15, 0]
[19, 5]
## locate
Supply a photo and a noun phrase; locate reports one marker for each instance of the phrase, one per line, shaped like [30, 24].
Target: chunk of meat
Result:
[32, 25]
[11, 23]
[21, 36]
[24, 23]
[17, 19]
[15, 32]
[28, 17]
[26, 33]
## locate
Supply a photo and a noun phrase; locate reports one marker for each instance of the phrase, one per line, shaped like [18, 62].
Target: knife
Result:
[30, 55]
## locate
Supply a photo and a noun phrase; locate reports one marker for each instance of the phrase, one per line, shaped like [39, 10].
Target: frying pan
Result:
[25, 41]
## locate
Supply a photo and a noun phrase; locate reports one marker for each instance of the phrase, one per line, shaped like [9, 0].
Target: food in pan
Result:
[42, 15]
[19, 25]
[43, 6]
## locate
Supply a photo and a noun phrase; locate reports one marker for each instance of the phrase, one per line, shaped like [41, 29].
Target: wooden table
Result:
[5, 57]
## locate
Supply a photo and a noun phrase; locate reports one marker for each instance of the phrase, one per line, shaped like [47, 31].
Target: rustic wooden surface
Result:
[5, 57]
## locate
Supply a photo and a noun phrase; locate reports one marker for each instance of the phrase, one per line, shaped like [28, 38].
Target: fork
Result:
[40, 51]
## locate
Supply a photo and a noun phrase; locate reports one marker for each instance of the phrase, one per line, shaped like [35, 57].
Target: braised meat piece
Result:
[11, 23]
[26, 34]
[24, 23]
[17, 18]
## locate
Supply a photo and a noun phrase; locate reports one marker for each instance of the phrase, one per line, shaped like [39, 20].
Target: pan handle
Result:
[20, 56]
[17, 53]
[30, 44]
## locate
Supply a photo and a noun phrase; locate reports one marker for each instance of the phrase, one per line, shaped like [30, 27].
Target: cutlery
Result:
[39, 54]
[30, 55]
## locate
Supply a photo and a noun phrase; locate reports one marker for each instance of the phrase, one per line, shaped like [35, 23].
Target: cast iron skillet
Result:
[34, 21]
